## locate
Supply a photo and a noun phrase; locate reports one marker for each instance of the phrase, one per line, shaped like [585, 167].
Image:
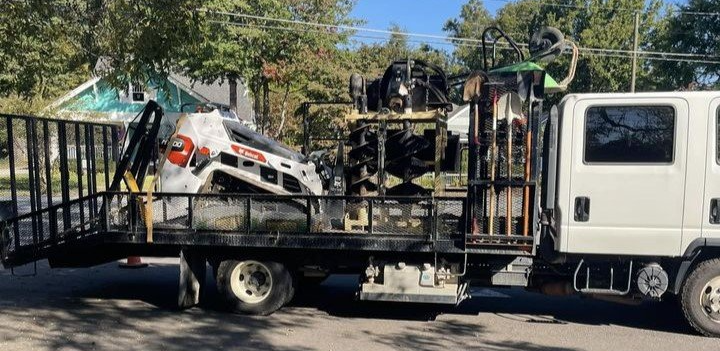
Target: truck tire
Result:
[700, 298]
[254, 287]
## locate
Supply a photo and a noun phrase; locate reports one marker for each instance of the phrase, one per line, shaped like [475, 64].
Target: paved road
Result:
[105, 308]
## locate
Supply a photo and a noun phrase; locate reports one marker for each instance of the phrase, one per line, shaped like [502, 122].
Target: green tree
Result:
[48, 47]
[473, 19]
[143, 40]
[694, 34]
[371, 60]
[39, 54]
[603, 27]
[275, 59]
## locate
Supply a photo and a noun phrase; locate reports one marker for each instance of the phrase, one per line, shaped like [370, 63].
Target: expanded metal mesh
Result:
[32, 233]
[223, 214]
[287, 215]
[450, 218]
[401, 217]
[504, 186]
[118, 212]
[507, 202]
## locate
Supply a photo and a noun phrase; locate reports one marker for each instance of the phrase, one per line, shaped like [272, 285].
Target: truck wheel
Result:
[700, 298]
[254, 287]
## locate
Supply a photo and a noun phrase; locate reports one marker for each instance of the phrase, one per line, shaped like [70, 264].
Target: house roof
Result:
[458, 121]
[216, 92]
[219, 92]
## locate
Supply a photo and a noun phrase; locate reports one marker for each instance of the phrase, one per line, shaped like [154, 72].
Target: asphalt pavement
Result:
[107, 308]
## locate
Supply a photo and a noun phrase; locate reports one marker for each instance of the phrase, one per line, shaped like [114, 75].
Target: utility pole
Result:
[635, 48]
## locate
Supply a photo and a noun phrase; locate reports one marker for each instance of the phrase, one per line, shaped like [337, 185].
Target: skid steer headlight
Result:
[182, 149]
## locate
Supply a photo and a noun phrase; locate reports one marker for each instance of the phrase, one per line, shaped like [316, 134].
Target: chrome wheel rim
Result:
[251, 281]
[710, 299]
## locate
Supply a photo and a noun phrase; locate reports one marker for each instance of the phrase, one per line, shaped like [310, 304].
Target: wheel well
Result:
[699, 255]
[707, 253]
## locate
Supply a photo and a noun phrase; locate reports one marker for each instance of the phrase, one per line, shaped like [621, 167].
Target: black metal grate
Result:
[32, 236]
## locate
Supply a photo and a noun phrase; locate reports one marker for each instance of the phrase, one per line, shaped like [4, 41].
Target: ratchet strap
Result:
[148, 218]
[145, 210]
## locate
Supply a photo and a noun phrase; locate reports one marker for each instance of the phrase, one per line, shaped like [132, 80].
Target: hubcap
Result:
[251, 281]
[710, 299]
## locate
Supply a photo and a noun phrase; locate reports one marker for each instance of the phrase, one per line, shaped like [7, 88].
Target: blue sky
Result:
[418, 16]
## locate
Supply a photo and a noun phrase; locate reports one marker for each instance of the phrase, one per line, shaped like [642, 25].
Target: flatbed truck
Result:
[624, 192]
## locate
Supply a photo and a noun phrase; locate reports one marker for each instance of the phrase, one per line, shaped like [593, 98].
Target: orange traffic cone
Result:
[133, 262]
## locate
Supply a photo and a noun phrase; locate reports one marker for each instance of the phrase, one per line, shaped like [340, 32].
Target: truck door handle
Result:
[582, 209]
[714, 212]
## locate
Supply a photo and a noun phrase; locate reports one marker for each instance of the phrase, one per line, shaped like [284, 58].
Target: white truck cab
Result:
[637, 174]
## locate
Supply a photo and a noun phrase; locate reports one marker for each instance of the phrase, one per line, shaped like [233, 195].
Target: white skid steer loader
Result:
[212, 154]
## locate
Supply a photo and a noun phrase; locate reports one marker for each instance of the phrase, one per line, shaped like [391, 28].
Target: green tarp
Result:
[550, 83]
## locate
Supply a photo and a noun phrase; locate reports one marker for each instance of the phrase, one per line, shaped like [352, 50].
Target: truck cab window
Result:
[629, 134]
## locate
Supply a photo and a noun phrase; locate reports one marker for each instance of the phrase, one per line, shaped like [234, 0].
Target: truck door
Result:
[627, 176]
[711, 201]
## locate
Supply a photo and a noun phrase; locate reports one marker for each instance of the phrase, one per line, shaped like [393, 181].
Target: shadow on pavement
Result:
[95, 300]
[337, 297]
[83, 309]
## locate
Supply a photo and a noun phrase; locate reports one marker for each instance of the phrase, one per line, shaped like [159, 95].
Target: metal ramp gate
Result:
[52, 174]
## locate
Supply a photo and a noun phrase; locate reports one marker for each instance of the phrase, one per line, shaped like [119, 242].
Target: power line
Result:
[502, 46]
[453, 39]
[339, 26]
[609, 53]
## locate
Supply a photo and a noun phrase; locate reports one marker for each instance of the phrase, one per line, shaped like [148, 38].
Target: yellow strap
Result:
[131, 182]
[145, 211]
[156, 176]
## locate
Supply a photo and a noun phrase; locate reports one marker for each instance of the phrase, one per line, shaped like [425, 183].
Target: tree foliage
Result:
[48, 47]
[473, 19]
[693, 34]
[277, 60]
[39, 55]
[371, 60]
[590, 23]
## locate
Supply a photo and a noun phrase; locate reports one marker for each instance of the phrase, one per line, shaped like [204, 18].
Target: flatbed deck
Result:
[419, 225]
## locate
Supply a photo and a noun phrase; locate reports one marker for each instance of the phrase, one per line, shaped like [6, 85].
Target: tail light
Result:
[181, 150]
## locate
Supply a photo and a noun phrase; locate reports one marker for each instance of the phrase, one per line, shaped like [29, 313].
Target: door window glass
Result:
[629, 134]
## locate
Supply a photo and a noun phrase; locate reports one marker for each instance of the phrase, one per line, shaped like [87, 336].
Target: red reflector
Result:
[204, 151]
[251, 154]
[182, 149]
